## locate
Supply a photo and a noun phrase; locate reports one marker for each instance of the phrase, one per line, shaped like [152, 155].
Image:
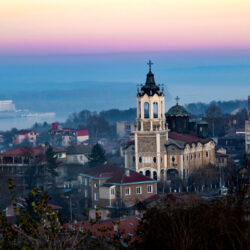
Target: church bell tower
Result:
[151, 133]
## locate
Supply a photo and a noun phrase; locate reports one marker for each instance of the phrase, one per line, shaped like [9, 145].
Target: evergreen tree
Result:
[97, 156]
[51, 164]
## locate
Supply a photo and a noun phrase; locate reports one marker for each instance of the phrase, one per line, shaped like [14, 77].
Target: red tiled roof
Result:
[187, 138]
[24, 150]
[127, 227]
[116, 174]
[82, 132]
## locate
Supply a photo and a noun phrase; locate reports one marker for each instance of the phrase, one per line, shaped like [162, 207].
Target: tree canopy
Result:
[97, 156]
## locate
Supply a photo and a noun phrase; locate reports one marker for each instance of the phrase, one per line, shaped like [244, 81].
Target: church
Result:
[166, 145]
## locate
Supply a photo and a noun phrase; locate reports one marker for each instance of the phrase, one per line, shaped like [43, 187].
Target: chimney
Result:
[127, 172]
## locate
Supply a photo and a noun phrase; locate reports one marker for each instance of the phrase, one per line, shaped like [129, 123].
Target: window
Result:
[147, 159]
[148, 173]
[155, 175]
[95, 185]
[150, 189]
[86, 193]
[140, 159]
[138, 190]
[146, 110]
[112, 191]
[248, 137]
[155, 109]
[127, 191]
[206, 154]
[133, 158]
[85, 181]
[173, 159]
[154, 159]
[96, 196]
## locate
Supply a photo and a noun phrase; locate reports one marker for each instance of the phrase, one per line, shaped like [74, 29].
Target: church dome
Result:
[177, 110]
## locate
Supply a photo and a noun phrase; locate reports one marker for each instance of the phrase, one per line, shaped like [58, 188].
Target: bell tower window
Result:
[146, 110]
[155, 108]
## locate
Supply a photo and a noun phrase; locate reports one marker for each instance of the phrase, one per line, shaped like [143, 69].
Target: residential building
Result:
[115, 187]
[78, 154]
[124, 129]
[22, 136]
[67, 136]
[17, 160]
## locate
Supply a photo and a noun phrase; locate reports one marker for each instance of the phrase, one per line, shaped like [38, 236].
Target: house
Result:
[115, 187]
[125, 128]
[16, 160]
[78, 154]
[22, 136]
[67, 136]
[82, 135]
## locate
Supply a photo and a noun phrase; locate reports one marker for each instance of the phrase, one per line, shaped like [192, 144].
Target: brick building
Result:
[115, 187]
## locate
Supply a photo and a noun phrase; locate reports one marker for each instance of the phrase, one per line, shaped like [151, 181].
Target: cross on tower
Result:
[150, 63]
[177, 99]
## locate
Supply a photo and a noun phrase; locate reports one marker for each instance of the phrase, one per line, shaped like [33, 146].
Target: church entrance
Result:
[172, 174]
[173, 178]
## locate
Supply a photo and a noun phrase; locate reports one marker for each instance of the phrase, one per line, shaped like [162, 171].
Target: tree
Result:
[38, 226]
[216, 123]
[213, 111]
[51, 164]
[97, 156]
[180, 223]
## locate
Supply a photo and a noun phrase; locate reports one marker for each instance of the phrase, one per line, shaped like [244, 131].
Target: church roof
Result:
[177, 110]
[187, 138]
[150, 87]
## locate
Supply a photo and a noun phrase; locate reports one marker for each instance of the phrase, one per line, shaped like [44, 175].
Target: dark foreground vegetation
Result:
[173, 222]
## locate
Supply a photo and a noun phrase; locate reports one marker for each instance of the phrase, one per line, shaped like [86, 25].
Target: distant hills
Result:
[227, 107]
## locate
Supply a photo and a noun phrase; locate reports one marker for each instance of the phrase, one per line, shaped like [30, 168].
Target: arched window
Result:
[155, 108]
[147, 173]
[155, 176]
[146, 110]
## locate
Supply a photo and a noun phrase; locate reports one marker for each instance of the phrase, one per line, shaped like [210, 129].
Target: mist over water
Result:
[70, 83]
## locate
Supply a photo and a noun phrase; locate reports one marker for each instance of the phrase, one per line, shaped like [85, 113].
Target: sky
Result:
[53, 49]
[97, 26]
